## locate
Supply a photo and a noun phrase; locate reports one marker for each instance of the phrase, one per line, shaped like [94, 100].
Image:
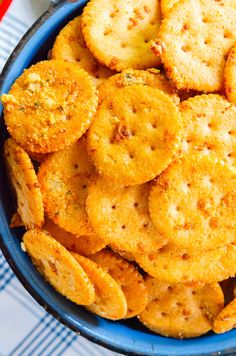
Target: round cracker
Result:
[50, 106]
[209, 126]
[119, 33]
[135, 135]
[71, 47]
[84, 245]
[193, 202]
[166, 6]
[194, 41]
[226, 320]
[181, 310]
[173, 265]
[110, 302]
[230, 76]
[58, 267]
[129, 279]
[25, 184]
[120, 216]
[64, 178]
[151, 77]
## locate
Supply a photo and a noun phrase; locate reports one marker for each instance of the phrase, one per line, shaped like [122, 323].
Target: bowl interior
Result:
[125, 336]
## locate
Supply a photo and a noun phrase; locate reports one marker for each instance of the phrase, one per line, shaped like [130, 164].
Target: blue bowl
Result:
[128, 337]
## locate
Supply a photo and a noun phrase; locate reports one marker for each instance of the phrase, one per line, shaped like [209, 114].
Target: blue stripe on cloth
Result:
[6, 50]
[31, 336]
[14, 26]
[60, 341]
[70, 340]
[6, 275]
[7, 35]
[16, 20]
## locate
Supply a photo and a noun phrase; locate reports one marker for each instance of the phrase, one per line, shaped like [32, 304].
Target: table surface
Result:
[25, 328]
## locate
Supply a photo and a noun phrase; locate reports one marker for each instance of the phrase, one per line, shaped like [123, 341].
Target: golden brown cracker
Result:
[64, 178]
[25, 184]
[71, 47]
[226, 319]
[110, 302]
[119, 33]
[193, 202]
[135, 135]
[181, 310]
[151, 77]
[84, 245]
[58, 267]
[166, 6]
[230, 75]
[129, 279]
[174, 265]
[120, 216]
[209, 126]
[194, 41]
[50, 106]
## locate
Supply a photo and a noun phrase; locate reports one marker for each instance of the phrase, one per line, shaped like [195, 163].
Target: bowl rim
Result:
[20, 275]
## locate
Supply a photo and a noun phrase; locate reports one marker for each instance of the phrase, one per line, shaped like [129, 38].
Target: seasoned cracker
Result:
[135, 135]
[129, 279]
[181, 310]
[230, 76]
[194, 41]
[193, 202]
[174, 266]
[50, 106]
[226, 320]
[119, 33]
[84, 245]
[166, 6]
[71, 47]
[64, 178]
[120, 216]
[25, 184]
[110, 301]
[151, 77]
[209, 126]
[58, 267]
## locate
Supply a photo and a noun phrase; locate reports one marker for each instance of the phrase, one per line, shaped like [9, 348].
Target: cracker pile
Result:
[131, 125]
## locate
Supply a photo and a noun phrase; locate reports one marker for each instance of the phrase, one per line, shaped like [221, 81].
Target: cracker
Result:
[173, 265]
[129, 279]
[50, 106]
[119, 33]
[209, 126]
[71, 47]
[135, 135]
[194, 41]
[84, 245]
[193, 202]
[151, 77]
[226, 320]
[120, 216]
[230, 76]
[58, 267]
[166, 6]
[64, 178]
[15, 221]
[181, 310]
[110, 302]
[25, 184]
[125, 254]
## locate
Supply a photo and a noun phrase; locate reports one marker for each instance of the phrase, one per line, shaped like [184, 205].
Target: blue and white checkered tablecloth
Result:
[25, 328]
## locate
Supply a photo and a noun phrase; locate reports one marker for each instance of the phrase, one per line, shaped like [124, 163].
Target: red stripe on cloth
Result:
[4, 5]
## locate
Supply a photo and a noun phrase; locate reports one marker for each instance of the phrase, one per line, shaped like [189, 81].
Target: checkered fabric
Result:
[26, 329]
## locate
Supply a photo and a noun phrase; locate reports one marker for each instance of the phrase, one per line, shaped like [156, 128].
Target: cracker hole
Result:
[107, 31]
[230, 132]
[185, 256]
[134, 109]
[76, 166]
[152, 148]
[230, 154]
[185, 48]
[154, 126]
[210, 125]
[145, 225]
[97, 76]
[131, 156]
[170, 288]
[165, 267]
[207, 41]
[206, 19]
[146, 40]
[178, 304]
[135, 204]
[164, 314]
[123, 227]
[113, 207]
[84, 186]
[123, 45]
[193, 292]
[152, 23]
